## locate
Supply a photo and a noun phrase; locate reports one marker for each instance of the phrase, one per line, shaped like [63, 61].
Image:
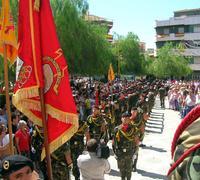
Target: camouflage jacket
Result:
[59, 164]
[124, 140]
[77, 140]
[162, 92]
[37, 141]
[95, 126]
[186, 157]
[108, 118]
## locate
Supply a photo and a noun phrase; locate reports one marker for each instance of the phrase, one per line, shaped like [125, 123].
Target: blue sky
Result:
[138, 16]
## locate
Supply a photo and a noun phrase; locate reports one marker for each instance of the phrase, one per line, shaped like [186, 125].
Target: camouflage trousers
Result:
[125, 165]
[162, 101]
[142, 130]
[151, 104]
[60, 171]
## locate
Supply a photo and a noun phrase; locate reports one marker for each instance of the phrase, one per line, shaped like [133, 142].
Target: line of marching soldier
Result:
[123, 121]
[130, 132]
[120, 116]
[108, 120]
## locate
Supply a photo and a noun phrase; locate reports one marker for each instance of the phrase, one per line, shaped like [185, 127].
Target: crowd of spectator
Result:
[184, 96]
[87, 93]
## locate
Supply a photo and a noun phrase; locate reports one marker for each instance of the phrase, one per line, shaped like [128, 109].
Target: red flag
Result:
[41, 64]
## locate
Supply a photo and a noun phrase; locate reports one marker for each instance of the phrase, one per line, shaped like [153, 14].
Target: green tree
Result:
[14, 9]
[148, 64]
[129, 55]
[96, 51]
[170, 62]
[84, 43]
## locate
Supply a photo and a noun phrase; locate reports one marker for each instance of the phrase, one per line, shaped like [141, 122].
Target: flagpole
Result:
[112, 93]
[7, 98]
[41, 95]
[46, 141]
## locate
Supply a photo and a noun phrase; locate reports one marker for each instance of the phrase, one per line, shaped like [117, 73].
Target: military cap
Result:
[14, 163]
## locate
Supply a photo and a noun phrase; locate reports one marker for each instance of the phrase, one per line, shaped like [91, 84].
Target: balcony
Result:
[178, 37]
[195, 67]
[186, 20]
[192, 52]
[179, 34]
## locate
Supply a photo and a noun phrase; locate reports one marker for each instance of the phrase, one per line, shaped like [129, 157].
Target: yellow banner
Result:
[7, 32]
[111, 74]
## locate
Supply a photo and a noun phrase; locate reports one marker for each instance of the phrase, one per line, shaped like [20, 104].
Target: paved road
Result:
[154, 159]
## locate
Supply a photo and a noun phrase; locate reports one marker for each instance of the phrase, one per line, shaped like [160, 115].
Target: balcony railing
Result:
[178, 36]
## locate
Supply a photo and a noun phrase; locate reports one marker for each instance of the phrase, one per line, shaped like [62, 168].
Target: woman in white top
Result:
[190, 101]
[4, 142]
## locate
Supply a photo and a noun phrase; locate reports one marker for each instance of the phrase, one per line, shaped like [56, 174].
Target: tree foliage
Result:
[129, 55]
[84, 43]
[148, 67]
[170, 62]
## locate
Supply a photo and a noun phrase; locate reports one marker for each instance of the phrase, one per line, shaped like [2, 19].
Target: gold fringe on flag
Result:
[62, 139]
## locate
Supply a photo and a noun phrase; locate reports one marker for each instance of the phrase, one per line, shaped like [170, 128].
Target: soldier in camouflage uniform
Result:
[151, 100]
[122, 103]
[124, 145]
[138, 118]
[36, 147]
[77, 146]
[162, 96]
[97, 126]
[142, 115]
[132, 100]
[186, 148]
[60, 160]
[37, 140]
[109, 121]
[116, 113]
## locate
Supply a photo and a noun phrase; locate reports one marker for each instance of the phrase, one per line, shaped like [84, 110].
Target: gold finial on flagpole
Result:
[37, 5]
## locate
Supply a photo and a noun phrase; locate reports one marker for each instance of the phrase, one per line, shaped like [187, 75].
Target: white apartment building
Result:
[184, 28]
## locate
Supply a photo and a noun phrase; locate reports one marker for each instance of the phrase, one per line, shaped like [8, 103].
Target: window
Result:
[166, 31]
[196, 28]
[191, 29]
[181, 30]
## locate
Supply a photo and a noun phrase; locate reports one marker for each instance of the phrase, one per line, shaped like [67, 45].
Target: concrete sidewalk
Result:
[154, 159]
